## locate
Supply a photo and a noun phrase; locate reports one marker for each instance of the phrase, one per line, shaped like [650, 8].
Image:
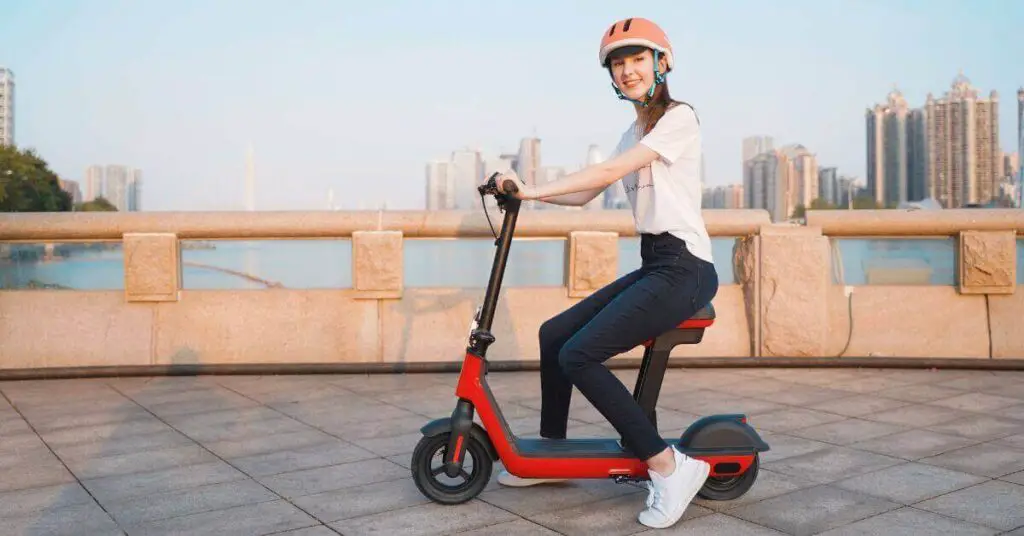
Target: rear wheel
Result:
[727, 488]
[428, 470]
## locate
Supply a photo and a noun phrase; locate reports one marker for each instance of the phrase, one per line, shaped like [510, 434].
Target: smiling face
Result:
[632, 70]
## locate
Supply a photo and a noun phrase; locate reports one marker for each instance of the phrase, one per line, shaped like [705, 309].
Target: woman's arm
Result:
[591, 180]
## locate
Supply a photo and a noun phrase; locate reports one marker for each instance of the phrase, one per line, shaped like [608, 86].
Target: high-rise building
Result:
[467, 171]
[730, 196]
[828, 185]
[73, 189]
[802, 176]
[764, 184]
[755, 145]
[121, 185]
[1020, 147]
[888, 141]
[963, 145]
[6, 106]
[440, 186]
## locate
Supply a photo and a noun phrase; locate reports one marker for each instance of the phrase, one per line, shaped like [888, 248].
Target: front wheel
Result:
[428, 470]
[727, 488]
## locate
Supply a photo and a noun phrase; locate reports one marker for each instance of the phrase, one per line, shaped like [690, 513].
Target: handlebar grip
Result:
[509, 186]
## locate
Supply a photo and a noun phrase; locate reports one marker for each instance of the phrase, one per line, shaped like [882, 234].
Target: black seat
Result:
[704, 318]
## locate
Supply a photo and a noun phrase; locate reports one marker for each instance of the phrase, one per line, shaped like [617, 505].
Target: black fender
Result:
[722, 433]
[443, 425]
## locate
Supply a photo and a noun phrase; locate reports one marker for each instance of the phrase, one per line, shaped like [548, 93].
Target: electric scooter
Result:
[726, 442]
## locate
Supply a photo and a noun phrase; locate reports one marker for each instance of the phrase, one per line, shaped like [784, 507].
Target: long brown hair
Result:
[660, 102]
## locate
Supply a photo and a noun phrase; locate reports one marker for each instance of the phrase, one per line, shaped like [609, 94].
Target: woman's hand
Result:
[523, 192]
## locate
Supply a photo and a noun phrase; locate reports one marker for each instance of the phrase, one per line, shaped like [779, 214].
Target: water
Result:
[460, 263]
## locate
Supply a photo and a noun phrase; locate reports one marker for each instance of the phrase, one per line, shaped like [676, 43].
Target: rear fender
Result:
[722, 432]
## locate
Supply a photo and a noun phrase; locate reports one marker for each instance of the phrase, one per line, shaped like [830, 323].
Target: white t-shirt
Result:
[666, 196]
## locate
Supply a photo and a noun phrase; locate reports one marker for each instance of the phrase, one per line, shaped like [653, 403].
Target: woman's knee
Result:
[552, 335]
[572, 357]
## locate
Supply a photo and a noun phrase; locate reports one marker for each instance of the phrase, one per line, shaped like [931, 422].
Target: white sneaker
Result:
[670, 496]
[506, 478]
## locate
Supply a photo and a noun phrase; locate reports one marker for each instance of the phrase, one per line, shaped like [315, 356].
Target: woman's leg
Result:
[555, 387]
[660, 300]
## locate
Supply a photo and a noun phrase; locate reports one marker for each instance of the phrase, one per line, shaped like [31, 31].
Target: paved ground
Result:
[853, 452]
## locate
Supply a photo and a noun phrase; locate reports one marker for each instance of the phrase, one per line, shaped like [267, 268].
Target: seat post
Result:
[651, 376]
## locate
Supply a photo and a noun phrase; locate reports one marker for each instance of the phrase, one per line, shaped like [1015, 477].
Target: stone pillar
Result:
[987, 262]
[794, 284]
[377, 264]
[152, 267]
[593, 261]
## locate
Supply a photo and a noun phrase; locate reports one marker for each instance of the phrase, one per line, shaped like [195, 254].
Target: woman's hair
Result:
[660, 102]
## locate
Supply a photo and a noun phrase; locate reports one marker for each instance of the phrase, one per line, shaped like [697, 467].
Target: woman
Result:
[658, 160]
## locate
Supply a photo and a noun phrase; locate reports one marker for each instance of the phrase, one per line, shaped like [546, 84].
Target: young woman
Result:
[658, 160]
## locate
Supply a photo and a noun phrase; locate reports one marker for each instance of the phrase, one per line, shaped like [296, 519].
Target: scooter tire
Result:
[426, 477]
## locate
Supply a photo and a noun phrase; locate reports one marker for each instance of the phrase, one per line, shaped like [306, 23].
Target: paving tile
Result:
[914, 444]
[137, 462]
[713, 525]
[784, 446]
[253, 446]
[319, 530]
[260, 518]
[519, 527]
[166, 438]
[858, 405]
[802, 395]
[980, 381]
[831, 464]
[105, 433]
[909, 483]
[118, 487]
[1013, 441]
[242, 430]
[976, 402]
[614, 516]
[362, 500]
[318, 455]
[430, 518]
[910, 522]
[784, 420]
[871, 383]
[33, 473]
[995, 504]
[987, 459]
[919, 393]
[320, 479]
[769, 484]
[1016, 478]
[531, 501]
[980, 427]
[918, 415]
[190, 501]
[23, 502]
[86, 518]
[813, 510]
[390, 446]
[847, 431]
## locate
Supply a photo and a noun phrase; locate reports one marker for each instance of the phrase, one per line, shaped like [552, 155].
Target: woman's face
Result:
[633, 74]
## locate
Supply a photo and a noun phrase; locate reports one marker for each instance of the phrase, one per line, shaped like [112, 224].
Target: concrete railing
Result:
[788, 302]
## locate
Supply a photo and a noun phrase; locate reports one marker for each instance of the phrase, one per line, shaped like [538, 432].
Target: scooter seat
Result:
[704, 318]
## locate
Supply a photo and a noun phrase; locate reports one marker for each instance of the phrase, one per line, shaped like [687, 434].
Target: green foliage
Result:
[100, 204]
[28, 185]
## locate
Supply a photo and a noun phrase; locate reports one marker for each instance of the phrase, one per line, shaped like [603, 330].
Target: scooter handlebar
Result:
[490, 187]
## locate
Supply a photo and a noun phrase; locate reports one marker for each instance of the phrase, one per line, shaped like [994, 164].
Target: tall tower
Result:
[1020, 148]
[963, 145]
[250, 181]
[6, 106]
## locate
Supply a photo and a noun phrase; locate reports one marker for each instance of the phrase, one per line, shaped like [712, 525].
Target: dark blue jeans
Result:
[670, 286]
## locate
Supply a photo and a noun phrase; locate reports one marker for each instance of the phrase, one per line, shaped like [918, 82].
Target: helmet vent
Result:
[625, 27]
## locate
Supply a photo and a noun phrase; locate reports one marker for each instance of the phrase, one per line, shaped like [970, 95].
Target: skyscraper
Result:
[6, 106]
[1020, 148]
[963, 145]
[755, 145]
[440, 186]
[121, 185]
[828, 185]
[888, 165]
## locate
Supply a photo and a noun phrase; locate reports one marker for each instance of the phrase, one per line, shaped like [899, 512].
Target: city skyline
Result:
[185, 109]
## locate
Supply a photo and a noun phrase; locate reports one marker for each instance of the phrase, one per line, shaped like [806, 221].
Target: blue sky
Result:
[358, 96]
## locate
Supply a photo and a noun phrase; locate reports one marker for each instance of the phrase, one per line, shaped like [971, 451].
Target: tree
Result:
[28, 185]
[100, 204]
[865, 202]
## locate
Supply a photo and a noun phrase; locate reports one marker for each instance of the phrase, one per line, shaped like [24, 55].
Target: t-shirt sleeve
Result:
[676, 133]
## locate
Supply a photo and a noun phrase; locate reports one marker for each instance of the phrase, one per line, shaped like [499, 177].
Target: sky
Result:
[359, 96]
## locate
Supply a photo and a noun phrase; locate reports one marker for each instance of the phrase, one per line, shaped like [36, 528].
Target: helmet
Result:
[632, 32]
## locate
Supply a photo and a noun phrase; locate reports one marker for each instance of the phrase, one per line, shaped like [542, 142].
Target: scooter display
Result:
[466, 451]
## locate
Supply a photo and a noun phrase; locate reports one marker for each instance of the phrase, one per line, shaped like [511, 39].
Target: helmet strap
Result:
[658, 79]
